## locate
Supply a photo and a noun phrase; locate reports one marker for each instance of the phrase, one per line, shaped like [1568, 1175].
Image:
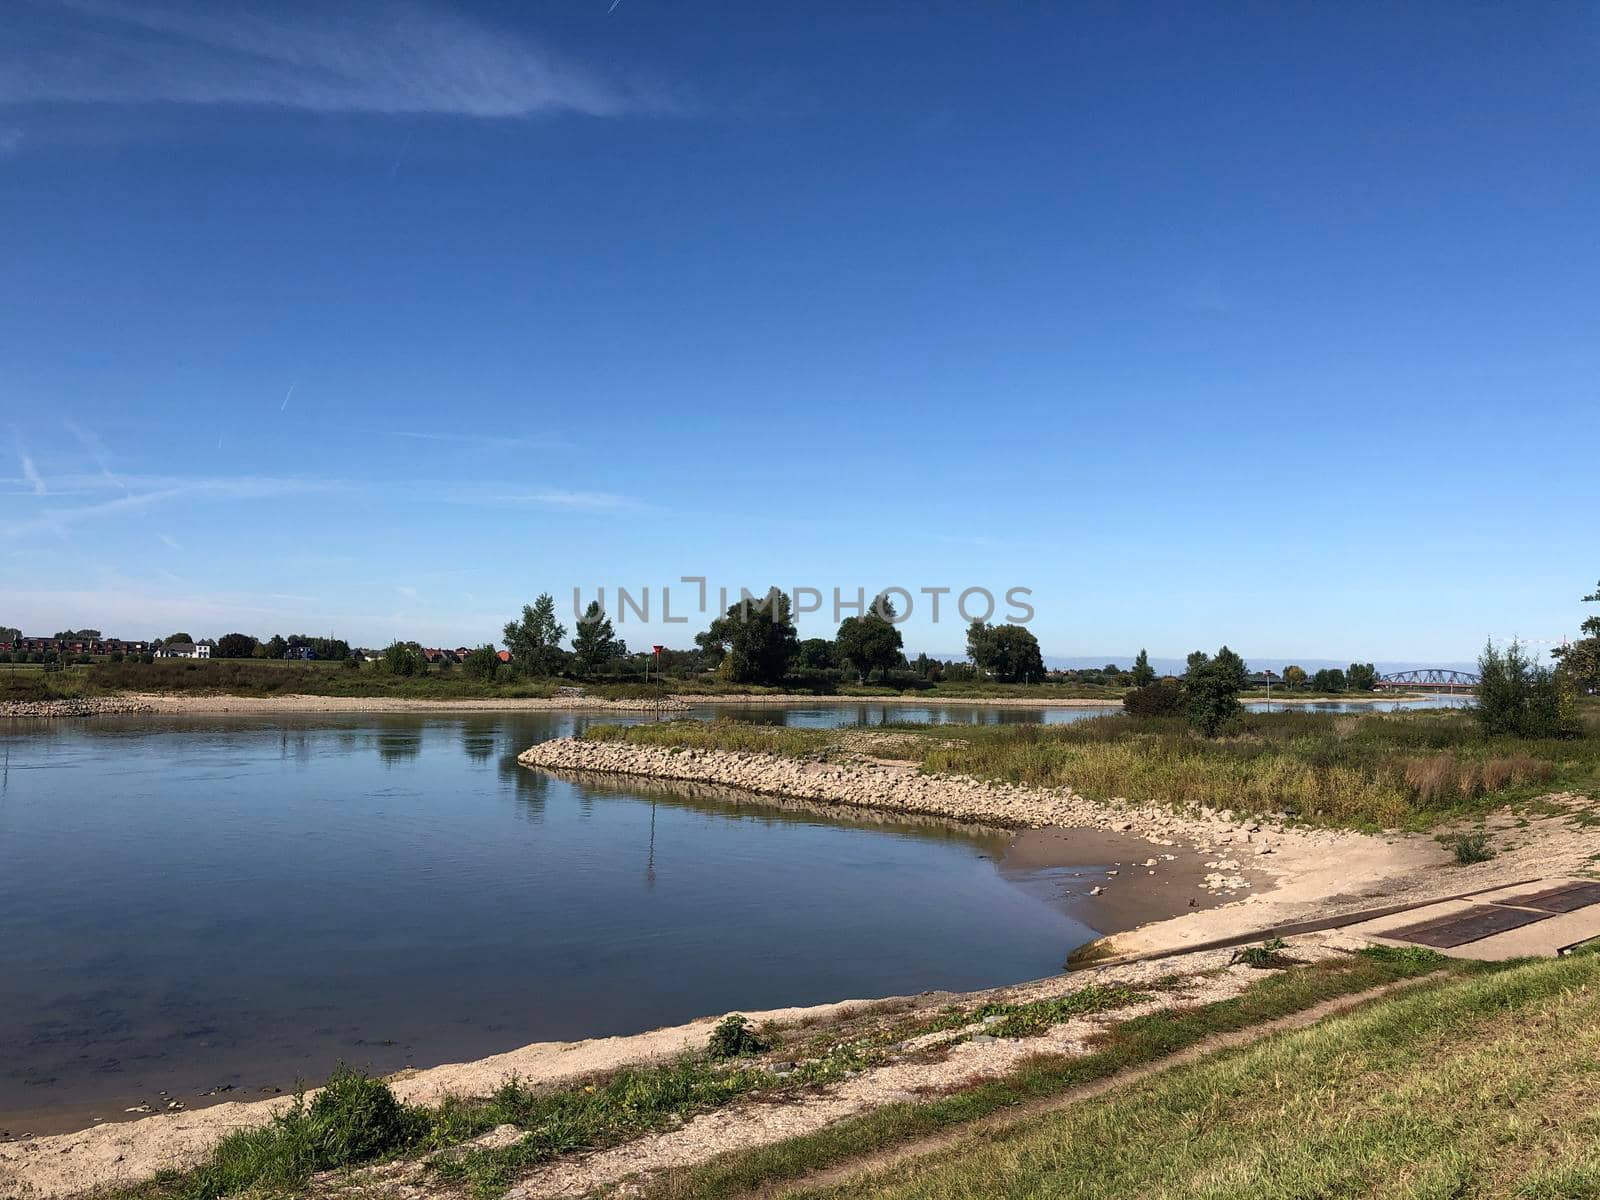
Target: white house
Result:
[184, 650]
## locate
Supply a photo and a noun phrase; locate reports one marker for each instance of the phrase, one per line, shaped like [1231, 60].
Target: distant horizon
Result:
[1162, 663]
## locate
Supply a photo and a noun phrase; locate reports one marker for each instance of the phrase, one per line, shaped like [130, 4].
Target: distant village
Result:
[86, 646]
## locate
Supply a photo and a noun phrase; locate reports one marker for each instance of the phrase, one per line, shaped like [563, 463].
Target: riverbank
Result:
[212, 705]
[1278, 871]
[222, 702]
[825, 1064]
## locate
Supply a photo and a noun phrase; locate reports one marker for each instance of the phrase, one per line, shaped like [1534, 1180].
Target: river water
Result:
[194, 903]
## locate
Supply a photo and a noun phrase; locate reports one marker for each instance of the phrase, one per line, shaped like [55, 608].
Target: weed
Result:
[1269, 955]
[734, 1038]
[1470, 847]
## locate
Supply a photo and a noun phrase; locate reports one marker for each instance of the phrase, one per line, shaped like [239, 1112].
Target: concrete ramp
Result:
[1544, 919]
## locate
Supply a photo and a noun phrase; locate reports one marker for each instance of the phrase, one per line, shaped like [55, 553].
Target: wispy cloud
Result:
[30, 474]
[367, 57]
[31, 479]
[491, 441]
[154, 493]
[574, 501]
[492, 494]
[410, 593]
[169, 541]
[96, 450]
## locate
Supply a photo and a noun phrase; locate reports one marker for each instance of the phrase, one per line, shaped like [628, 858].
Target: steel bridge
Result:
[1435, 679]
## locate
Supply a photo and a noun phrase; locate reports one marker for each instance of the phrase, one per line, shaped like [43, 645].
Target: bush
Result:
[147, 657]
[733, 1038]
[481, 664]
[354, 1119]
[1471, 847]
[1211, 690]
[403, 658]
[1518, 699]
[1163, 698]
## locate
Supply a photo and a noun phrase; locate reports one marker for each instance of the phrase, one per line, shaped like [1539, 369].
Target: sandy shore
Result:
[1276, 873]
[76, 1163]
[217, 703]
[211, 704]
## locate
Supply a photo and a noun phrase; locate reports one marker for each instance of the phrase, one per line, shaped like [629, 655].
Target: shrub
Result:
[403, 658]
[354, 1119]
[1267, 956]
[1163, 698]
[1518, 699]
[733, 1038]
[1471, 847]
[1211, 690]
[481, 664]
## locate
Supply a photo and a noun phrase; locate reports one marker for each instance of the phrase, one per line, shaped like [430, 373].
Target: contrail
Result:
[287, 394]
[613, 7]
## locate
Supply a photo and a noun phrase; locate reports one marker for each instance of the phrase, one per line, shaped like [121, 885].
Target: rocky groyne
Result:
[1236, 842]
[97, 706]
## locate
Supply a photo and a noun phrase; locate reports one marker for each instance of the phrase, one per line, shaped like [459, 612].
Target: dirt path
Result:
[971, 1131]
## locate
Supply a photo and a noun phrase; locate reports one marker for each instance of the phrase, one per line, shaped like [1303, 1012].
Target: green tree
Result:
[1328, 680]
[1143, 673]
[1158, 698]
[403, 658]
[10, 633]
[535, 639]
[815, 654]
[1294, 677]
[276, 646]
[235, 645]
[1211, 690]
[1516, 698]
[754, 639]
[595, 643]
[1010, 653]
[178, 637]
[1579, 661]
[482, 664]
[870, 642]
[1361, 677]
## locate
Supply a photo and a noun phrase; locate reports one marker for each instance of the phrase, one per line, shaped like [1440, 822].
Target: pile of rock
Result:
[97, 706]
[635, 704]
[897, 789]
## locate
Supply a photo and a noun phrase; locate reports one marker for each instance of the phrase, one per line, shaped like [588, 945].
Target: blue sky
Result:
[1273, 325]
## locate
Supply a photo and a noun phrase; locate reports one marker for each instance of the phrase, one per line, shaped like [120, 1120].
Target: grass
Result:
[790, 741]
[353, 1120]
[1410, 770]
[357, 1121]
[1131, 1043]
[1485, 1086]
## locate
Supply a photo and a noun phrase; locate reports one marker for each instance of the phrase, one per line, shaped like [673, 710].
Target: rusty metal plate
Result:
[1457, 929]
[1569, 897]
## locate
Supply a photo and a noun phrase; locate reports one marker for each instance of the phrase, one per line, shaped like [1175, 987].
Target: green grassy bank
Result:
[357, 1121]
[1409, 770]
[1485, 1087]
